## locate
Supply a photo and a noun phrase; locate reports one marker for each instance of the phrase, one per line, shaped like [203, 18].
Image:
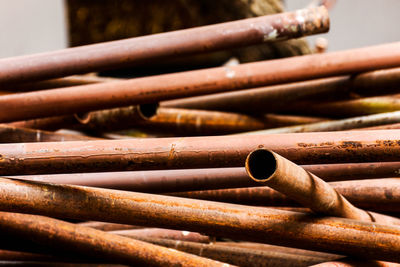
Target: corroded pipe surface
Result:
[269, 168]
[65, 236]
[163, 233]
[338, 125]
[161, 181]
[123, 53]
[200, 82]
[104, 226]
[356, 263]
[278, 97]
[382, 195]
[350, 108]
[195, 152]
[350, 237]
[241, 256]
[12, 134]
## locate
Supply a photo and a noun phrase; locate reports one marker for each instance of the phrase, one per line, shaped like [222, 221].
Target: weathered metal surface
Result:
[104, 226]
[350, 237]
[338, 125]
[12, 134]
[350, 108]
[267, 99]
[126, 52]
[65, 236]
[241, 256]
[195, 152]
[60, 82]
[279, 97]
[161, 181]
[269, 168]
[170, 86]
[164, 234]
[348, 262]
[382, 195]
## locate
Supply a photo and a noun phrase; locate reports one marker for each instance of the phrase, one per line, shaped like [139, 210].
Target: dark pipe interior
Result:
[148, 110]
[261, 164]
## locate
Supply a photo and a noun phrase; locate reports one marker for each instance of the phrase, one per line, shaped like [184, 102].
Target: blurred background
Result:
[28, 26]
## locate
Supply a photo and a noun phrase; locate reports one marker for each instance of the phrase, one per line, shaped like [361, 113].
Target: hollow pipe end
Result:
[147, 111]
[261, 165]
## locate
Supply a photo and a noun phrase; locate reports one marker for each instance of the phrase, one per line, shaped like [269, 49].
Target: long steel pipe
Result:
[381, 195]
[338, 125]
[63, 236]
[349, 108]
[271, 169]
[195, 152]
[279, 97]
[170, 86]
[123, 53]
[161, 181]
[350, 237]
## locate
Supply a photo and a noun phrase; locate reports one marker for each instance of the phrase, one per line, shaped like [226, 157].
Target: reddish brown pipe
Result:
[124, 53]
[12, 134]
[269, 168]
[382, 195]
[356, 263]
[242, 256]
[103, 226]
[350, 108]
[350, 237]
[195, 152]
[65, 236]
[170, 86]
[164, 234]
[104, 120]
[161, 181]
[336, 125]
[279, 97]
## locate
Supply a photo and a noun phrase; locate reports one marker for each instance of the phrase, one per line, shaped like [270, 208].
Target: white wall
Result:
[357, 23]
[30, 26]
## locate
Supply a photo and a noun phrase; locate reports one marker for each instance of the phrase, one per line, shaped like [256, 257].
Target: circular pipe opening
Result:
[147, 111]
[83, 118]
[261, 165]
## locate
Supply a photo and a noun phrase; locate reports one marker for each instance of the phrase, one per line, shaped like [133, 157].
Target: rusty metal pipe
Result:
[338, 125]
[170, 86]
[348, 262]
[103, 120]
[269, 168]
[349, 108]
[104, 226]
[161, 181]
[381, 195]
[241, 256]
[279, 97]
[195, 152]
[350, 237]
[65, 236]
[131, 51]
[163, 233]
[13, 134]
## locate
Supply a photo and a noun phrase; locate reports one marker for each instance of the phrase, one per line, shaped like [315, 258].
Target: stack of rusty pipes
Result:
[339, 205]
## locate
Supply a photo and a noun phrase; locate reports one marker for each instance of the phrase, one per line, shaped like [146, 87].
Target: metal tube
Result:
[12, 134]
[65, 236]
[279, 97]
[202, 122]
[381, 195]
[350, 237]
[126, 52]
[241, 256]
[104, 120]
[161, 181]
[348, 262]
[338, 125]
[104, 226]
[170, 86]
[163, 233]
[350, 108]
[269, 168]
[195, 152]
